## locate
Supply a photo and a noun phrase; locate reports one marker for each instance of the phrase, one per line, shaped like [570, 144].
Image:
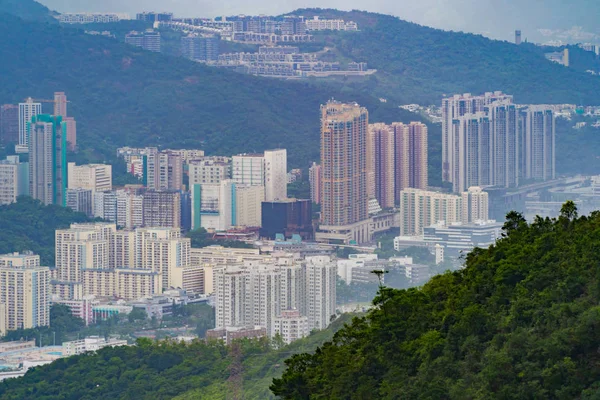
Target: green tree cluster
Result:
[30, 225]
[521, 321]
[163, 370]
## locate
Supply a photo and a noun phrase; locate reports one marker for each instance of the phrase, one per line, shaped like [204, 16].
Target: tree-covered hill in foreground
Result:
[418, 64]
[163, 370]
[521, 321]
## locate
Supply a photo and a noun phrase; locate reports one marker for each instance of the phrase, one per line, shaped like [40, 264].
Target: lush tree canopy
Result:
[522, 321]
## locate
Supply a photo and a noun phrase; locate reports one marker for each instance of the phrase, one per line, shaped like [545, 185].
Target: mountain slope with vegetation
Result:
[420, 64]
[29, 225]
[28, 10]
[122, 95]
[163, 370]
[521, 321]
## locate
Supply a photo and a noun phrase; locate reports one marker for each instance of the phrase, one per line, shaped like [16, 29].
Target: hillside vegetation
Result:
[122, 95]
[28, 10]
[521, 321]
[418, 64]
[29, 225]
[162, 370]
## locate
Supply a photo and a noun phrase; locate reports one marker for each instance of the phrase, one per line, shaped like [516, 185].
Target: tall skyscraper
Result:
[9, 124]
[453, 108]
[24, 291]
[504, 134]
[47, 159]
[538, 137]
[315, 177]
[27, 111]
[473, 158]
[384, 160]
[344, 161]
[60, 104]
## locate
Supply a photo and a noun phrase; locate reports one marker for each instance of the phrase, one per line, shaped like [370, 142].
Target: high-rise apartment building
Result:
[475, 205]
[27, 111]
[105, 206]
[200, 47]
[384, 160]
[208, 171]
[420, 208]
[504, 136]
[268, 170]
[291, 326]
[163, 170]
[95, 177]
[148, 40]
[275, 174]
[14, 179]
[213, 205]
[453, 108]
[80, 200]
[47, 159]
[60, 104]
[248, 205]
[162, 208]
[344, 161]
[9, 124]
[321, 279]
[538, 140]
[473, 158]
[129, 209]
[315, 177]
[24, 291]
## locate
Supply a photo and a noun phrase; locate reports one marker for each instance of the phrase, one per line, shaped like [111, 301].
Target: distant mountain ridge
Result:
[28, 10]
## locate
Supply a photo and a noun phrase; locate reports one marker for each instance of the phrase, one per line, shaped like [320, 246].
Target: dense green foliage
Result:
[62, 323]
[418, 64]
[522, 321]
[161, 370]
[29, 225]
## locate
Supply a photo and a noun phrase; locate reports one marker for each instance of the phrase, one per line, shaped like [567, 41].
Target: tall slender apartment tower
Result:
[504, 131]
[384, 159]
[27, 111]
[473, 152]
[453, 108]
[475, 205]
[48, 159]
[344, 162]
[60, 104]
[538, 137]
[315, 175]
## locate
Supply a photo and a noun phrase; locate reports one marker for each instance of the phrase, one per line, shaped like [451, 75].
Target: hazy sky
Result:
[496, 18]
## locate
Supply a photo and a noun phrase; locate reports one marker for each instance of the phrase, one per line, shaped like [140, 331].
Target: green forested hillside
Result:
[28, 10]
[522, 321]
[162, 370]
[122, 95]
[420, 64]
[29, 225]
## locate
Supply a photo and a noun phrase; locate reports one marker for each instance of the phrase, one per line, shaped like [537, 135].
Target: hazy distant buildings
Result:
[315, 178]
[213, 205]
[454, 108]
[344, 162]
[475, 205]
[517, 37]
[14, 179]
[163, 170]
[47, 159]
[27, 111]
[90, 18]
[208, 170]
[400, 159]
[287, 217]
[200, 47]
[60, 109]
[148, 40]
[162, 208]
[9, 124]
[81, 200]
[268, 170]
[154, 16]
[538, 141]
[24, 292]
[95, 177]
